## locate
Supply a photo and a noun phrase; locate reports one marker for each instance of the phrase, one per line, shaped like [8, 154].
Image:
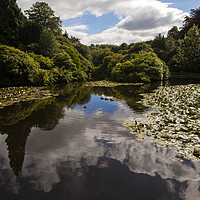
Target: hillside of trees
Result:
[34, 51]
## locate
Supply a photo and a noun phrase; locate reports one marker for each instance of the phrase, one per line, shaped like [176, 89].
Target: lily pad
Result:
[175, 123]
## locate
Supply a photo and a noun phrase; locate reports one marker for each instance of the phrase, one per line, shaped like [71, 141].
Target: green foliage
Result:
[134, 63]
[72, 53]
[67, 70]
[84, 51]
[40, 13]
[47, 45]
[140, 46]
[17, 67]
[99, 54]
[11, 21]
[159, 42]
[159, 45]
[145, 67]
[45, 62]
[189, 21]
[187, 58]
[104, 70]
[30, 33]
[75, 58]
[63, 60]
[62, 40]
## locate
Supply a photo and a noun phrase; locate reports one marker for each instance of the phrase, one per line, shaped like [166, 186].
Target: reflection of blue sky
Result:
[96, 104]
[79, 138]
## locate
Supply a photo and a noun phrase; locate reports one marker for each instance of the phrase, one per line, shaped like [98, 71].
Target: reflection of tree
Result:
[111, 179]
[18, 120]
[131, 94]
[44, 114]
[16, 141]
[71, 95]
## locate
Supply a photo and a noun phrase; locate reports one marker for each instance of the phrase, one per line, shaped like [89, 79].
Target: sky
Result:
[117, 21]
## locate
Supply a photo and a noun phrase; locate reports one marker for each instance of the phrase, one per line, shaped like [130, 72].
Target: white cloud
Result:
[76, 31]
[139, 19]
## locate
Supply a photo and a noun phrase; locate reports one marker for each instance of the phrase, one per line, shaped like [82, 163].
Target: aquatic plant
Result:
[11, 95]
[175, 120]
[105, 83]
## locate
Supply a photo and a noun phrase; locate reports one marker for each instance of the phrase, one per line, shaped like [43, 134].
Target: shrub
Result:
[63, 60]
[17, 67]
[45, 62]
[145, 67]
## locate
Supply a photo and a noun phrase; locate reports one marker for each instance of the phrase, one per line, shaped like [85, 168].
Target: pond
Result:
[74, 146]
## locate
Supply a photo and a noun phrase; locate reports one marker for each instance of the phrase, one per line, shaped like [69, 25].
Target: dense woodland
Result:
[34, 51]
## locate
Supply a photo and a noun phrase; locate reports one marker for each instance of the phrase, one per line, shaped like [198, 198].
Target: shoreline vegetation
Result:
[12, 95]
[105, 83]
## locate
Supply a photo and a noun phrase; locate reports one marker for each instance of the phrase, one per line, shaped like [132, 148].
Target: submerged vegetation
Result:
[175, 122]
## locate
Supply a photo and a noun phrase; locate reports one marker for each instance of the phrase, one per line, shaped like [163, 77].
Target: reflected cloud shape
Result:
[72, 155]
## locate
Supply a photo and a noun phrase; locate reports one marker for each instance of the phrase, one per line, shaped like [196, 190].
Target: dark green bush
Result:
[63, 60]
[145, 67]
[45, 62]
[17, 67]
[140, 46]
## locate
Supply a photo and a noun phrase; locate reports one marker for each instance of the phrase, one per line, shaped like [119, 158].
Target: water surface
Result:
[75, 147]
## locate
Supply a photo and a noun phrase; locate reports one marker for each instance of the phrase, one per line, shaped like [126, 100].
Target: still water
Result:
[74, 147]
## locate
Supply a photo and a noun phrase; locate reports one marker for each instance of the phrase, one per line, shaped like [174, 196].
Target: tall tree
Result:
[188, 52]
[11, 21]
[47, 45]
[189, 21]
[42, 14]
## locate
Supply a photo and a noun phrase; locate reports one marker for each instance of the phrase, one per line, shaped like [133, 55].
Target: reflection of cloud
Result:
[79, 137]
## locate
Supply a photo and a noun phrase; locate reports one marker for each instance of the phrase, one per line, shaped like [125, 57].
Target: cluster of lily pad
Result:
[175, 120]
[11, 95]
[105, 83]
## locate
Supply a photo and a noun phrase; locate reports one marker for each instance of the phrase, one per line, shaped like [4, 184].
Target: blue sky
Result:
[117, 21]
[184, 5]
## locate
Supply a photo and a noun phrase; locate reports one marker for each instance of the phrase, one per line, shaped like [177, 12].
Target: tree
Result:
[30, 33]
[172, 38]
[159, 42]
[140, 46]
[84, 51]
[74, 40]
[145, 67]
[17, 68]
[47, 45]
[188, 52]
[40, 13]
[189, 21]
[11, 21]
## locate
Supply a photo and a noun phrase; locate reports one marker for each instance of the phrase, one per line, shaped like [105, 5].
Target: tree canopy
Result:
[11, 21]
[42, 14]
[189, 21]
